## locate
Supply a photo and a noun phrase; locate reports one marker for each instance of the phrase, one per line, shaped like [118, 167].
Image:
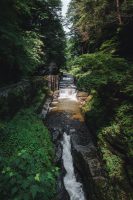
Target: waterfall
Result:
[73, 187]
[68, 93]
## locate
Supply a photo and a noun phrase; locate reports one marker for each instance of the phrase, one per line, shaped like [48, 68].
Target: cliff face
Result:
[113, 137]
[94, 177]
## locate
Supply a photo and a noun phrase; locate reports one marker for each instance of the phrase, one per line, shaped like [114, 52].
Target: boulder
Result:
[82, 94]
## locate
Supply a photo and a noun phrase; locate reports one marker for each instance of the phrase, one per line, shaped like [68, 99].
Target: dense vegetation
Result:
[101, 25]
[99, 54]
[26, 159]
[26, 149]
[31, 36]
[101, 44]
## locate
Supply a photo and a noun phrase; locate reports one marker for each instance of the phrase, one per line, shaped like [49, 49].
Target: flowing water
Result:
[73, 140]
[68, 93]
[75, 189]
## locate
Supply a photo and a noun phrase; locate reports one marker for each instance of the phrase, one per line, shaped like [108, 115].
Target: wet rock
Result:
[53, 104]
[88, 164]
[56, 135]
[82, 98]
[61, 192]
[72, 130]
[56, 92]
[67, 118]
[55, 99]
[82, 94]
[43, 114]
[58, 154]
[45, 108]
[62, 196]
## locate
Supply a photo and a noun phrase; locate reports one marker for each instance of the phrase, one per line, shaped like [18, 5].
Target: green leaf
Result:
[14, 190]
[37, 177]
[34, 189]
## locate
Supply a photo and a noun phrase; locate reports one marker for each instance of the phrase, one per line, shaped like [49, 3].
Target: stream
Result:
[73, 187]
[81, 176]
[81, 172]
[63, 113]
[68, 92]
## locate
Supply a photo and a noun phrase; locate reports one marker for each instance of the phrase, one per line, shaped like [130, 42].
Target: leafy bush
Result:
[109, 112]
[26, 150]
[31, 36]
[95, 114]
[115, 142]
[97, 70]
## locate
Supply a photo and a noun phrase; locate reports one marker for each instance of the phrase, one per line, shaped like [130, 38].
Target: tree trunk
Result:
[118, 12]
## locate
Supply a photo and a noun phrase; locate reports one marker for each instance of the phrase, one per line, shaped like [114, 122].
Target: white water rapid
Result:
[67, 88]
[73, 187]
[68, 93]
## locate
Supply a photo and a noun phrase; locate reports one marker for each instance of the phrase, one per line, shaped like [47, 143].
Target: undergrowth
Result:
[26, 158]
[109, 113]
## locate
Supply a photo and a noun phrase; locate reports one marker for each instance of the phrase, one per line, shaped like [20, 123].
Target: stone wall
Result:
[16, 96]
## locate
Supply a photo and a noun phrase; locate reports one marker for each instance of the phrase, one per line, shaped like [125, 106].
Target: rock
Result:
[61, 192]
[58, 155]
[56, 92]
[72, 130]
[55, 99]
[94, 178]
[43, 114]
[45, 108]
[82, 98]
[53, 104]
[82, 94]
[16, 96]
[56, 135]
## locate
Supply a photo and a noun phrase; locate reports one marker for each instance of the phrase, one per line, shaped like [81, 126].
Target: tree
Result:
[118, 12]
[99, 22]
[31, 35]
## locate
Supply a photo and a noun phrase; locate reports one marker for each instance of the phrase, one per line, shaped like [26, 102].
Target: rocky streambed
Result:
[82, 175]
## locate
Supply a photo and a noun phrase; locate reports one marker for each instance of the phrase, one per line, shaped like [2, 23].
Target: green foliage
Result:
[96, 71]
[101, 37]
[109, 111]
[124, 116]
[118, 138]
[95, 114]
[27, 171]
[33, 51]
[114, 164]
[102, 24]
[31, 35]
[20, 50]
[107, 79]
[110, 46]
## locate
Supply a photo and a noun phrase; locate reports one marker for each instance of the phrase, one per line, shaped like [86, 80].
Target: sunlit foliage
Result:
[31, 35]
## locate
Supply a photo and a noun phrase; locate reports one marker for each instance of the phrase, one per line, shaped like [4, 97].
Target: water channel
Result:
[74, 188]
[63, 113]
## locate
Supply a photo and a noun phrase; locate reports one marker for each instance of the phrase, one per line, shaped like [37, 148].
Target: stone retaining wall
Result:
[16, 96]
